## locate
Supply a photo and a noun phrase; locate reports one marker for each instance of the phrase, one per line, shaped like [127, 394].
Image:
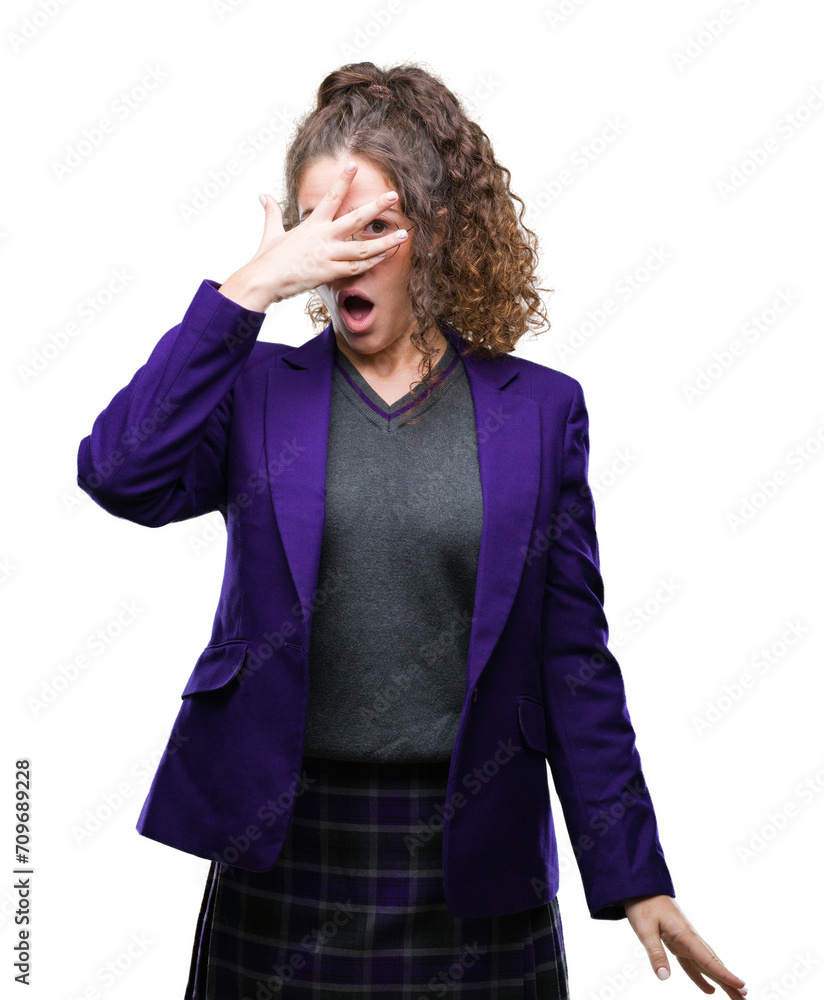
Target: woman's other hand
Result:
[658, 921]
[318, 250]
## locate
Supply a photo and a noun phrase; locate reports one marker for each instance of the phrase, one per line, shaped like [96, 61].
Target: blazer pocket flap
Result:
[216, 666]
[533, 723]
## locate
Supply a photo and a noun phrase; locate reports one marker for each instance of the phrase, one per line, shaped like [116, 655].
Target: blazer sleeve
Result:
[157, 452]
[592, 755]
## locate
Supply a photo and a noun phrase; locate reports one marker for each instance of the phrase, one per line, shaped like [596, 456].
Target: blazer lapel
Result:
[296, 426]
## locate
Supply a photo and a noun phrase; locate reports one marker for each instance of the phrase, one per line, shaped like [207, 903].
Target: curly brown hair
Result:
[480, 277]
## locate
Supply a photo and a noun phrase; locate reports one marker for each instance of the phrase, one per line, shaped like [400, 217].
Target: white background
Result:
[713, 163]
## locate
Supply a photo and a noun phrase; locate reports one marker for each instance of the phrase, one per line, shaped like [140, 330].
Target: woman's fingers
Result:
[347, 225]
[319, 249]
[695, 950]
[328, 205]
[658, 923]
[651, 940]
[696, 976]
[698, 959]
[362, 249]
[732, 985]
[344, 228]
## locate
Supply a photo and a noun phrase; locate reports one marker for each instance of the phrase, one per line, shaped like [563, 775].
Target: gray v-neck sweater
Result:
[404, 510]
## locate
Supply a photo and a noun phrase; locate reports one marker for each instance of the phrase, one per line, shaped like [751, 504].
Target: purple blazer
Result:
[216, 420]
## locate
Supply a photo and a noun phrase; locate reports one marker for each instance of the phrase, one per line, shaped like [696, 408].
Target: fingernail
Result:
[662, 973]
[350, 166]
[401, 234]
[262, 199]
[381, 255]
[392, 196]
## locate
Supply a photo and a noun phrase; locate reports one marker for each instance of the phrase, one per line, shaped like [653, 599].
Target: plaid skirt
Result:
[354, 905]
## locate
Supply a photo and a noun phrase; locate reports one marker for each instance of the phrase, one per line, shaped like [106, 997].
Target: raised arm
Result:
[157, 452]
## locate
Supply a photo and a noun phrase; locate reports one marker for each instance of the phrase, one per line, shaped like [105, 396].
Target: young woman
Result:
[414, 499]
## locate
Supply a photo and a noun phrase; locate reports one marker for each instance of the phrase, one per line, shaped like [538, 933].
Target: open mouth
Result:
[357, 309]
[357, 306]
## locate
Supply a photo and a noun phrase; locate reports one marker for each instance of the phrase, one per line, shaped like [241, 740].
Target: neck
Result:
[396, 359]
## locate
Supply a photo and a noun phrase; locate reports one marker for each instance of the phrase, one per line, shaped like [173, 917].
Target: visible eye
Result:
[382, 228]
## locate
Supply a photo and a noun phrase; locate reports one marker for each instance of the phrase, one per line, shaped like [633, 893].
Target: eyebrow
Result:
[308, 211]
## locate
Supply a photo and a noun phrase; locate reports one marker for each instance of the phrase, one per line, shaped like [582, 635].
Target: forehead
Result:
[367, 184]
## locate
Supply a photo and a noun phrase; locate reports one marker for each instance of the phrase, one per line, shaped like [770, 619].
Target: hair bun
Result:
[356, 78]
